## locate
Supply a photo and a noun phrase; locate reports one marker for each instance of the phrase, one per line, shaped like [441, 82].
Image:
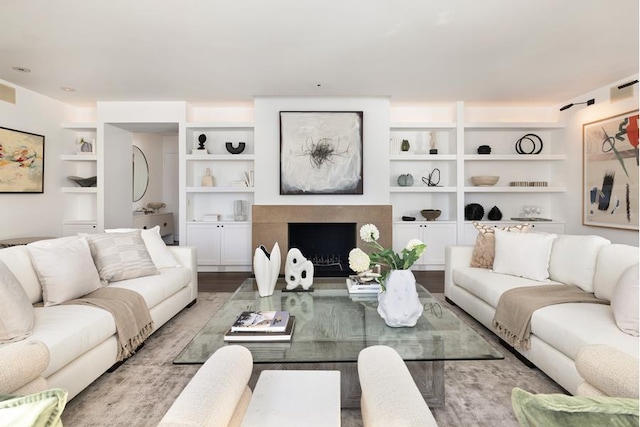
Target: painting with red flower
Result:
[21, 162]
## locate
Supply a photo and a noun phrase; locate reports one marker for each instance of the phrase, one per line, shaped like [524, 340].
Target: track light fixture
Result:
[622, 86]
[588, 102]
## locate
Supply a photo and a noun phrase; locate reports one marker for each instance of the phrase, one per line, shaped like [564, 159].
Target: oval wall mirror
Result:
[140, 174]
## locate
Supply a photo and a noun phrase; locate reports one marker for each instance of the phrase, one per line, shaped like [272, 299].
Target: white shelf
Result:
[219, 125]
[505, 189]
[79, 157]
[80, 126]
[85, 190]
[422, 125]
[422, 189]
[220, 189]
[224, 157]
[514, 157]
[514, 125]
[421, 157]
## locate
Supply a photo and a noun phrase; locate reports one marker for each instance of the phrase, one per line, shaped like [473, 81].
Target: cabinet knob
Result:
[164, 225]
[144, 227]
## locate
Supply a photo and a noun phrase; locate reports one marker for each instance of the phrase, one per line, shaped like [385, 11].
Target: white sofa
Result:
[558, 332]
[81, 340]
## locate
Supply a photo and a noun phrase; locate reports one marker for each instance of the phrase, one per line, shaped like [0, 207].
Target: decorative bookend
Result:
[266, 267]
[298, 271]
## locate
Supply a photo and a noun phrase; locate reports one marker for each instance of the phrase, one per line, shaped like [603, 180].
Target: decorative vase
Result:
[399, 304]
[494, 214]
[404, 146]
[266, 267]
[86, 147]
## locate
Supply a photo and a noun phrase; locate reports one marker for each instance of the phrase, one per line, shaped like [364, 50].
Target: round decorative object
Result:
[235, 150]
[484, 180]
[534, 140]
[408, 218]
[484, 149]
[201, 140]
[399, 304]
[405, 180]
[405, 145]
[473, 212]
[494, 214]
[430, 214]
[86, 147]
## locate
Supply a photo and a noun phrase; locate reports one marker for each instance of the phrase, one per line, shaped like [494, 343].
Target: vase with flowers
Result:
[398, 302]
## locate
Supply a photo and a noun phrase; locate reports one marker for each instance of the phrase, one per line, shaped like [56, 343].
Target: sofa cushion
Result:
[612, 260]
[18, 260]
[160, 254]
[624, 301]
[573, 259]
[523, 254]
[560, 410]
[569, 327]
[484, 247]
[488, 285]
[120, 256]
[71, 330]
[42, 409]
[155, 289]
[65, 269]
[16, 312]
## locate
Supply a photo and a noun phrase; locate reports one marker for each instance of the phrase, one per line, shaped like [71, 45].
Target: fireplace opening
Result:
[326, 245]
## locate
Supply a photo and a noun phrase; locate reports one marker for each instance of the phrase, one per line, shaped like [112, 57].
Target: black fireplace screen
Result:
[326, 245]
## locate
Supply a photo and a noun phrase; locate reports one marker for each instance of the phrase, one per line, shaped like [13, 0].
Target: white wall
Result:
[574, 118]
[24, 215]
[375, 149]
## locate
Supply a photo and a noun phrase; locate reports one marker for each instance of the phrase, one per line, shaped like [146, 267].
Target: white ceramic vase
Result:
[298, 271]
[266, 267]
[399, 304]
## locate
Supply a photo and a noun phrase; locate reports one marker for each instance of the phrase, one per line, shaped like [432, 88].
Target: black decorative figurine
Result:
[202, 139]
[494, 214]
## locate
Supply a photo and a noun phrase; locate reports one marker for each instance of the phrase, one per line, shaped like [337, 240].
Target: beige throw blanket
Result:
[512, 319]
[130, 313]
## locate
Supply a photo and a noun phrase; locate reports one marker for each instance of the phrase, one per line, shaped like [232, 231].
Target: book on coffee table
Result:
[356, 286]
[261, 321]
[262, 336]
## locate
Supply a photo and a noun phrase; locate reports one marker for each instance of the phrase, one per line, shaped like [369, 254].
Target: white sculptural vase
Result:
[266, 268]
[399, 304]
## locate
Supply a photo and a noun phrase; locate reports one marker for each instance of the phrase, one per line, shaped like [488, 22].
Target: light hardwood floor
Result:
[229, 281]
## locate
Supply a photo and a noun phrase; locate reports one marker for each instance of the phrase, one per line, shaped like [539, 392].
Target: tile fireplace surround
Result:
[271, 222]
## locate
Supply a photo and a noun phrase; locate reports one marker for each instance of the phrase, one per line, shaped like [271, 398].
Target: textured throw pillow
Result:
[624, 302]
[17, 315]
[523, 254]
[573, 260]
[65, 269]
[160, 254]
[484, 248]
[121, 256]
[559, 410]
[41, 409]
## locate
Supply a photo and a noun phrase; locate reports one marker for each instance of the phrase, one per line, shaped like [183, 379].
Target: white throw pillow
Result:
[573, 260]
[65, 269]
[17, 315]
[523, 254]
[120, 256]
[160, 254]
[624, 302]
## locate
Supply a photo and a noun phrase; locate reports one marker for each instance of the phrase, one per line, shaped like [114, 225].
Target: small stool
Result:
[295, 398]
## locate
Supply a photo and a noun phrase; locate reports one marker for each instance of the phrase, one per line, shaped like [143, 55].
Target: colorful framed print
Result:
[21, 162]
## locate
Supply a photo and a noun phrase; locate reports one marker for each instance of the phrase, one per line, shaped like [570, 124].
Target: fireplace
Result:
[270, 223]
[325, 244]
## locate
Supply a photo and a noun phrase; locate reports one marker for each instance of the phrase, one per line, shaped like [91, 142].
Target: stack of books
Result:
[255, 326]
[355, 285]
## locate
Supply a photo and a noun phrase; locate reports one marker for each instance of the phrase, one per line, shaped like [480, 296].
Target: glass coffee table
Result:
[332, 326]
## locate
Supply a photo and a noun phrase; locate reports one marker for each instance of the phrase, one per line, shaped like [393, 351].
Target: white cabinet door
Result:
[402, 233]
[236, 244]
[436, 236]
[206, 239]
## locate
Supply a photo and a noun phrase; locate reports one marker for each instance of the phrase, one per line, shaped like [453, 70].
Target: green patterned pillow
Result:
[41, 409]
[550, 410]
[120, 256]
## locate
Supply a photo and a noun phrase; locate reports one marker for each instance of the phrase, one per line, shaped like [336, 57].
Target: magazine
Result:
[250, 336]
[261, 321]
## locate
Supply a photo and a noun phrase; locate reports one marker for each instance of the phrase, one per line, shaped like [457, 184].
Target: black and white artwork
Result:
[321, 152]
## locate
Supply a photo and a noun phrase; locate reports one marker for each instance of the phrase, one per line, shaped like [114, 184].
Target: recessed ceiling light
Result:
[22, 69]
[67, 89]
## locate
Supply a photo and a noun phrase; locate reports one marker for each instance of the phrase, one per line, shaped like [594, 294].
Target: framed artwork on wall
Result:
[321, 152]
[21, 162]
[610, 172]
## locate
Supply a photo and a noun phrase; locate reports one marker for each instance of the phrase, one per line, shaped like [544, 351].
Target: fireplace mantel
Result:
[270, 222]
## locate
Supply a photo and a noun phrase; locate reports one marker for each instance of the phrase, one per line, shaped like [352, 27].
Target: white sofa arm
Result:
[21, 366]
[390, 397]
[607, 370]
[187, 257]
[218, 394]
[455, 256]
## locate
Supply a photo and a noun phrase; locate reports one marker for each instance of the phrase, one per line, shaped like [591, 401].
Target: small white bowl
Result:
[484, 180]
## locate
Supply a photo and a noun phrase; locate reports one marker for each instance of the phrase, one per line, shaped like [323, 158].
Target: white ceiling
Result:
[215, 52]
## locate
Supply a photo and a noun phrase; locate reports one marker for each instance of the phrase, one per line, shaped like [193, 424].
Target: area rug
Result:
[138, 393]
